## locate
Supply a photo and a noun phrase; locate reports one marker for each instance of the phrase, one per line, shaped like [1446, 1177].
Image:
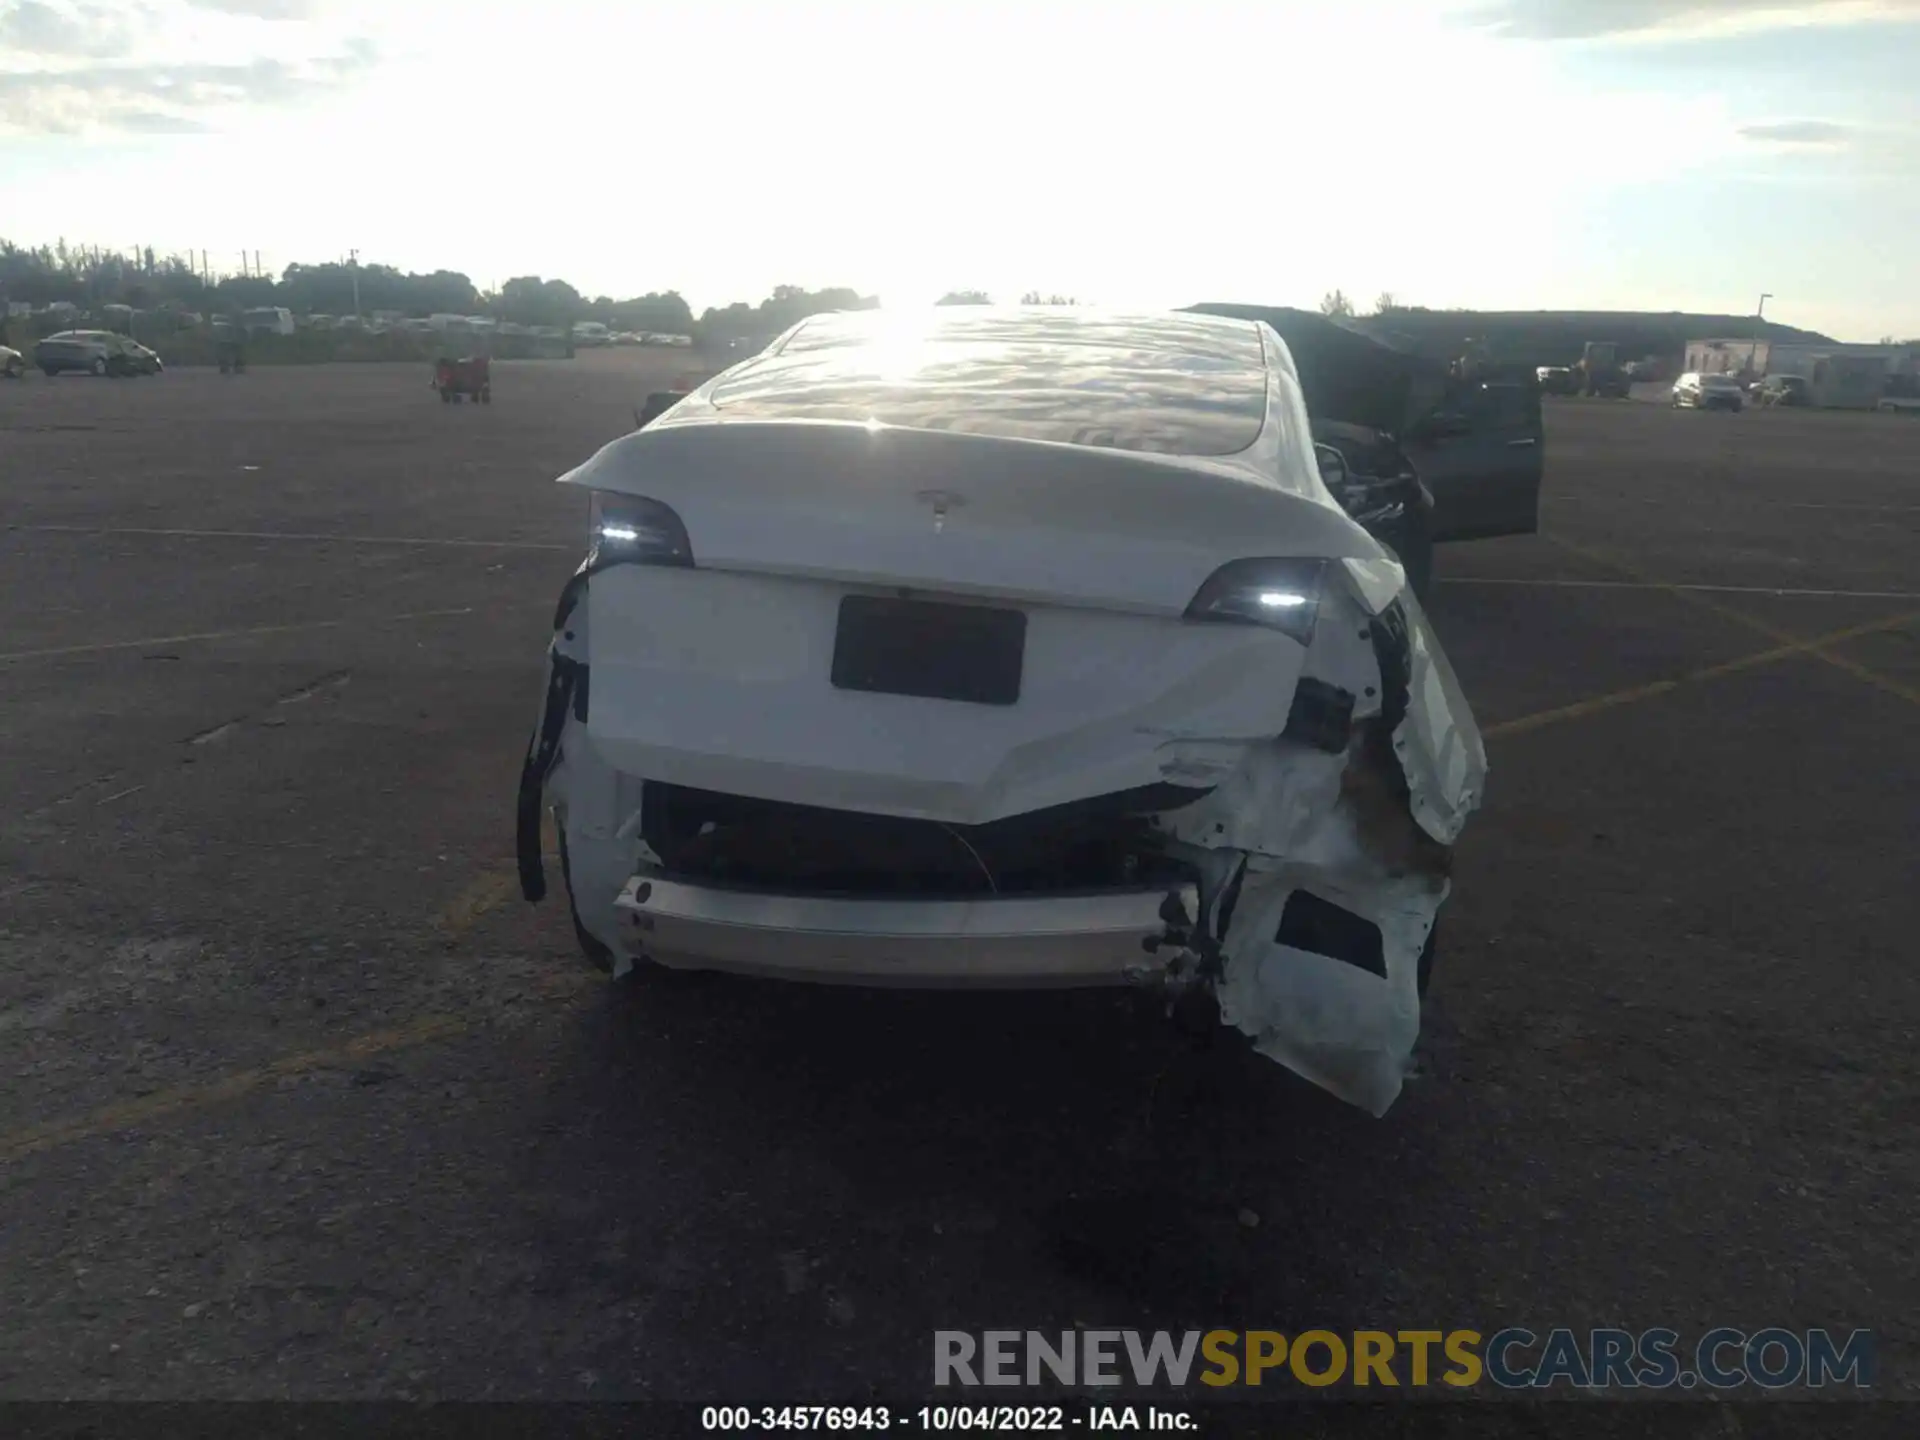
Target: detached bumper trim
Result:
[994, 942]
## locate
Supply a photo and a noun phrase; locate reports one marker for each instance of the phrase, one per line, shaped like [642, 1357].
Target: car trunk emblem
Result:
[941, 501]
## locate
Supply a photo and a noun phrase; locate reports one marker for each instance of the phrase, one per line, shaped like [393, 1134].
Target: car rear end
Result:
[957, 701]
[940, 698]
[1720, 392]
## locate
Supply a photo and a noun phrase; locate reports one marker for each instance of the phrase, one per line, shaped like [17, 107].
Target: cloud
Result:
[261, 9]
[157, 122]
[78, 31]
[165, 98]
[1676, 19]
[1825, 133]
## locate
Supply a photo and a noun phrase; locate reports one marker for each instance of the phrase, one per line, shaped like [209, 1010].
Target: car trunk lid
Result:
[968, 515]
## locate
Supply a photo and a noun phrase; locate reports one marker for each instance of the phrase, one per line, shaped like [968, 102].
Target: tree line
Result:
[981, 297]
[90, 278]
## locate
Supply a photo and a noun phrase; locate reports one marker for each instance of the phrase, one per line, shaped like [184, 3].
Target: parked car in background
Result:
[1901, 396]
[1783, 390]
[12, 364]
[93, 352]
[1694, 391]
[1557, 380]
[267, 320]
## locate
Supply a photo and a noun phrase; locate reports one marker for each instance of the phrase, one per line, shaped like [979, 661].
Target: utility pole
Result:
[1759, 320]
[353, 264]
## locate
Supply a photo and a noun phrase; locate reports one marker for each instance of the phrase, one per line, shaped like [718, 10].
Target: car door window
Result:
[1489, 405]
[1509, 406]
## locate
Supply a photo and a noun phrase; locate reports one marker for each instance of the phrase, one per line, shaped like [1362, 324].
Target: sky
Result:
[1496, 154]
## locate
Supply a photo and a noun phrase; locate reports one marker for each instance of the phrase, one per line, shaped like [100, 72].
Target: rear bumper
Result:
[995, 943]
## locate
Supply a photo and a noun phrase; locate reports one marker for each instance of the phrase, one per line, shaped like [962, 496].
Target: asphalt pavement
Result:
[302, 1101]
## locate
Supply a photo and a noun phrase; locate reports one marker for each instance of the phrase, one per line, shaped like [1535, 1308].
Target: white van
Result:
[267, 320]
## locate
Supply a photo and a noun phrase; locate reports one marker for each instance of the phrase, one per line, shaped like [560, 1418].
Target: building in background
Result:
[1842, 377]
[1758, 358]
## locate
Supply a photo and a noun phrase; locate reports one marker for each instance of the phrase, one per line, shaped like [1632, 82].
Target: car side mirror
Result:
[1333, 467]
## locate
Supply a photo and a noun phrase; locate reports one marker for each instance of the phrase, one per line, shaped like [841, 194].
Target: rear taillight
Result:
[633, 529]
[1282, 594]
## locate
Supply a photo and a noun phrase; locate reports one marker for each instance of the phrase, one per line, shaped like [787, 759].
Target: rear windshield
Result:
[1182, 397]
[1719, 382]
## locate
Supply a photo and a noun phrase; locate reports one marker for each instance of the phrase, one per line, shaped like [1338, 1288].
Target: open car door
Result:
[1481, 452]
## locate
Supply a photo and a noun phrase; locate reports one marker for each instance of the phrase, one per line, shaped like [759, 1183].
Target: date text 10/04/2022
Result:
[940, 1418]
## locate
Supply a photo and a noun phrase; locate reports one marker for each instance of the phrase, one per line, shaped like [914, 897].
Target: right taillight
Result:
[1281, 594]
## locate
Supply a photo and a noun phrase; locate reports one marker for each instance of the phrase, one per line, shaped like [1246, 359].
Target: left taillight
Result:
[634, 529]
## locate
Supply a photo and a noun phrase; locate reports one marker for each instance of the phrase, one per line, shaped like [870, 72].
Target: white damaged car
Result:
[970, 647]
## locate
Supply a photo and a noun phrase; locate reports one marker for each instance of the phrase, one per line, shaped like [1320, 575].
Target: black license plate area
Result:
[921, 647]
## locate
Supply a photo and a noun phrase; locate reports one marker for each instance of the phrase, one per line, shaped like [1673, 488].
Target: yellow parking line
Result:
[1816, 647]
[489, 890]
[1873, 677]
[566, 983]
[129, 1113]
[1521, 724]
[1597, 703]
[207, 635]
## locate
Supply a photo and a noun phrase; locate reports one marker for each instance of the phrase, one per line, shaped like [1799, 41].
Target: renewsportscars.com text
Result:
[1515, 1358]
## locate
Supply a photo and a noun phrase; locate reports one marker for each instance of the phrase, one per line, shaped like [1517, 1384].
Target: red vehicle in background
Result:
[469, 375]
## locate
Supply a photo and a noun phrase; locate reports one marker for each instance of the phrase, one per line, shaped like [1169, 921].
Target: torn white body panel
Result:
[1438, 743]
[1347, 1030]
[1331, 826]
